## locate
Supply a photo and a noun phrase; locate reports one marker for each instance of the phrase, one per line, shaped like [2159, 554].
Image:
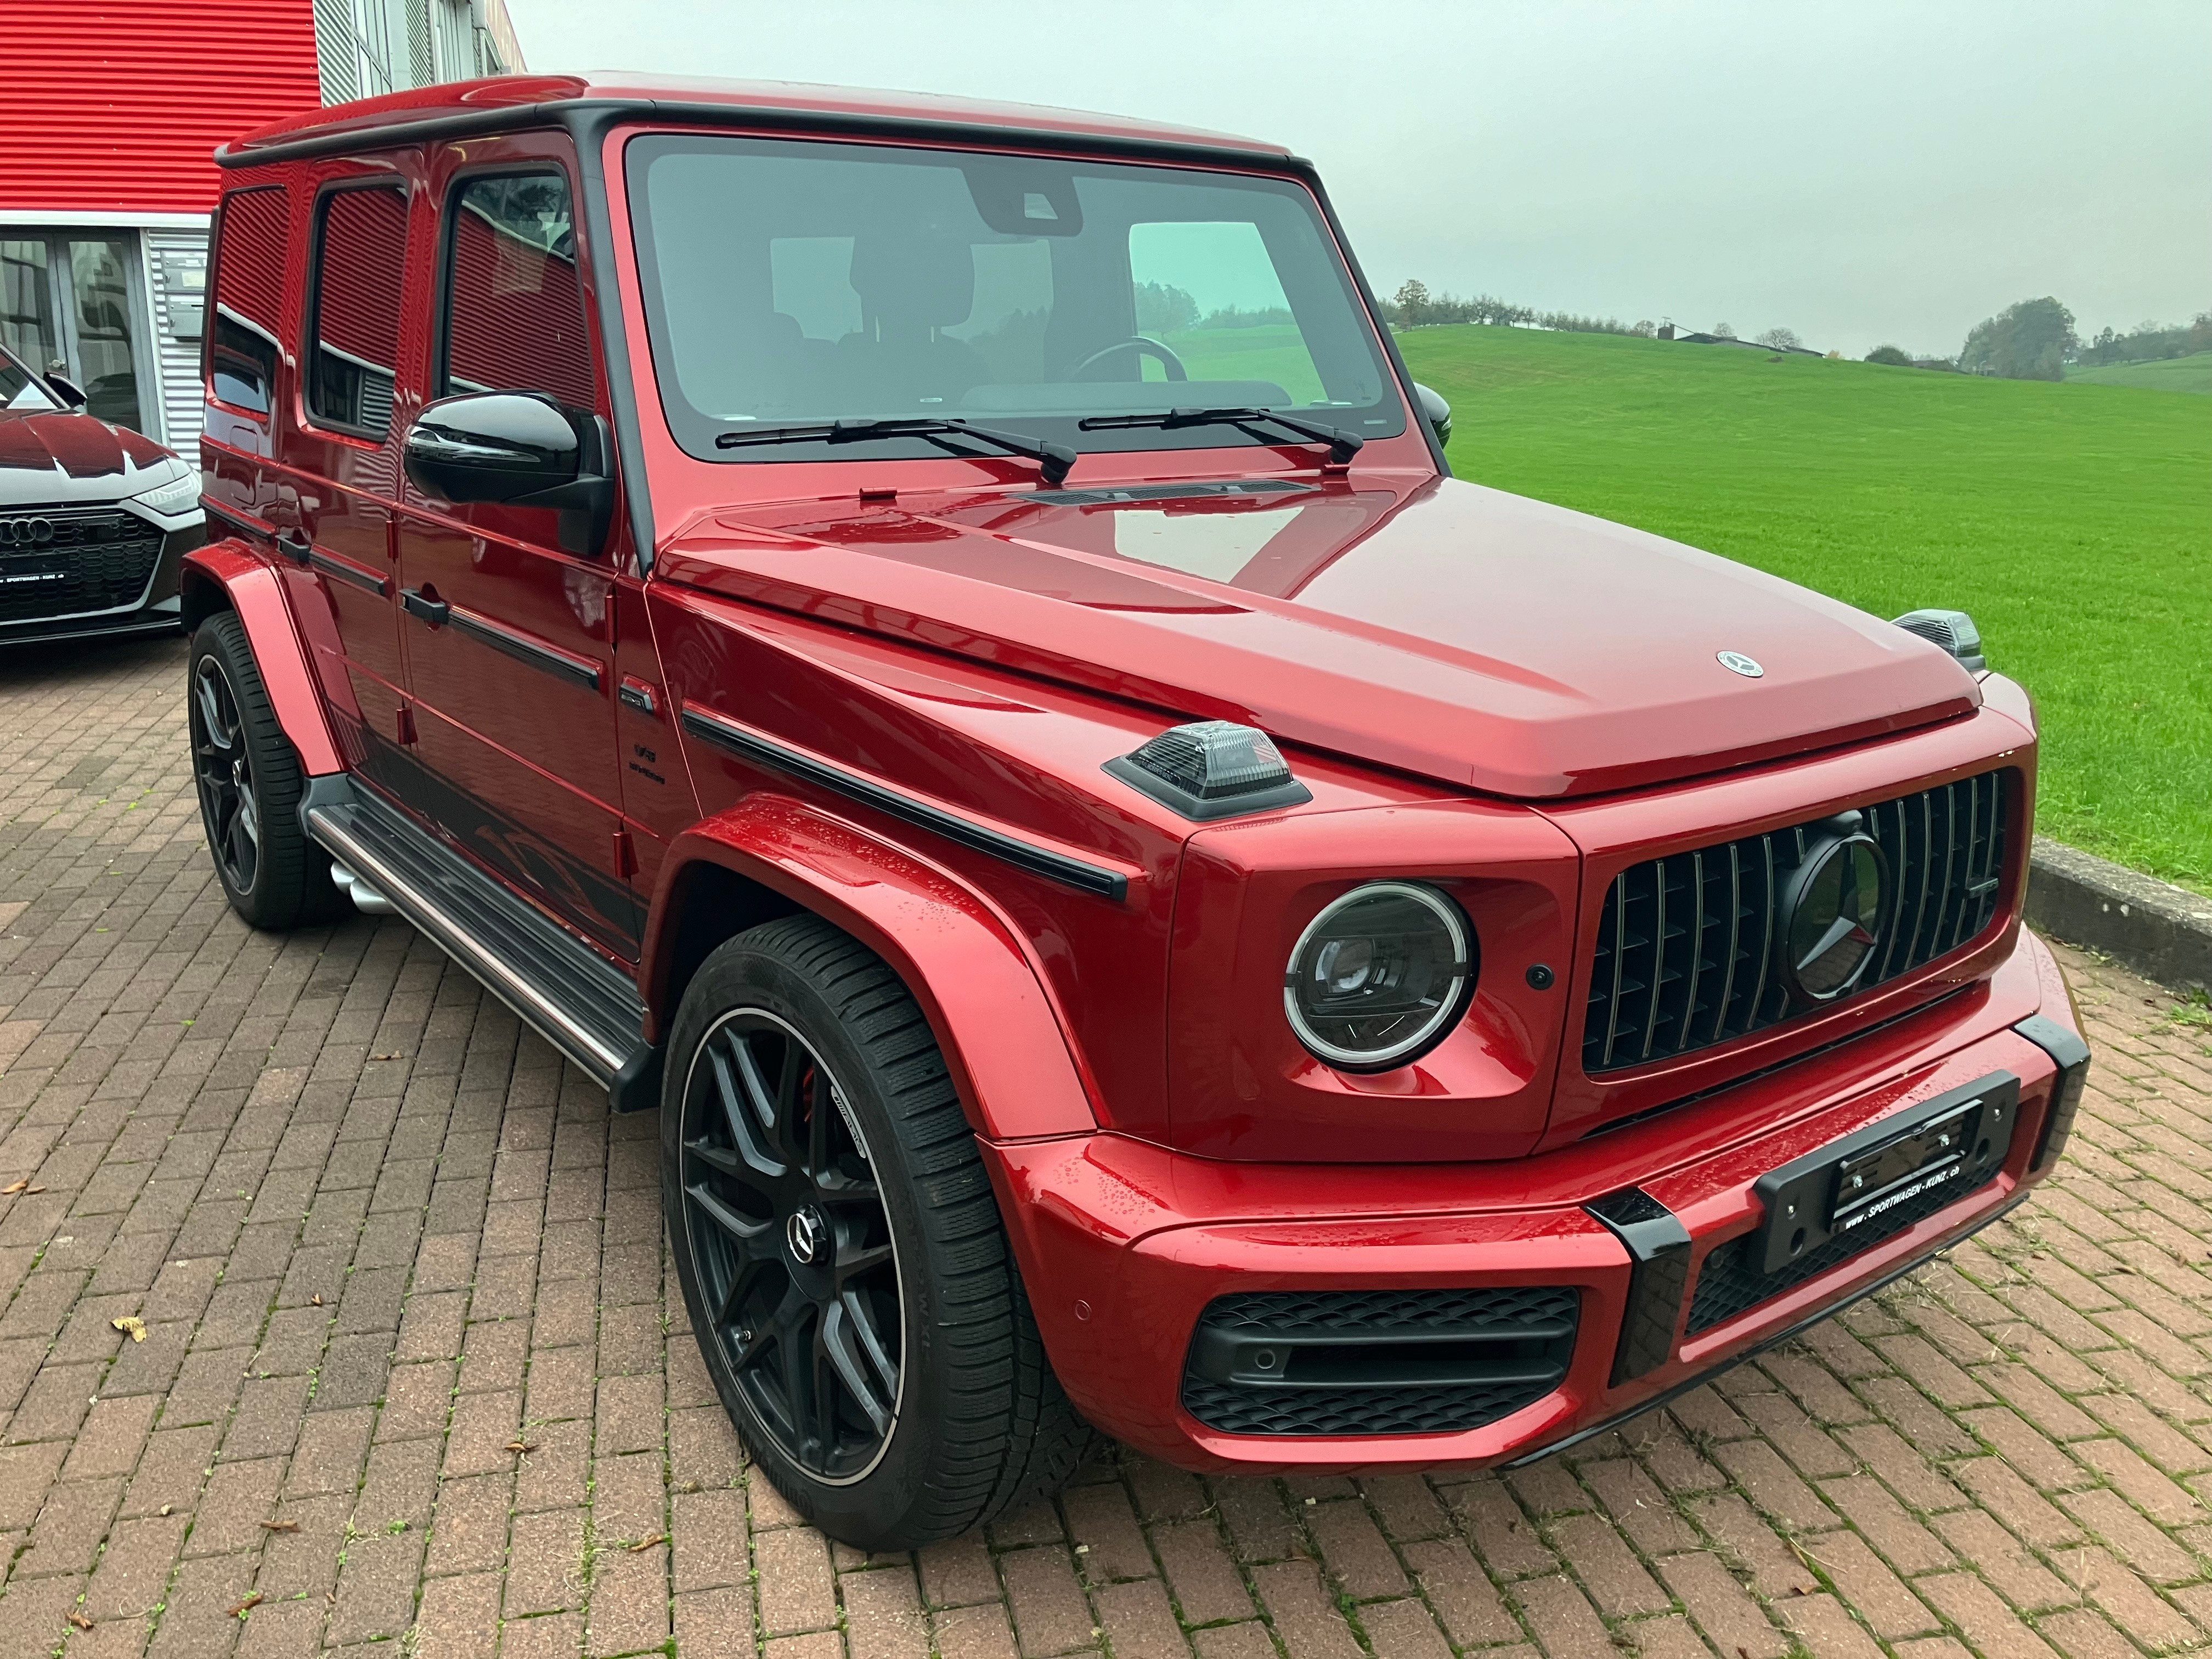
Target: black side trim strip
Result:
[1026, 855]
[1785, 1334]
[346, 571]
[244, 523]
[520, 646]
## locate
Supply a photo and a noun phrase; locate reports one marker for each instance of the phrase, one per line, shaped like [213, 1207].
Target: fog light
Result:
[1211, 769]
[1379, 976]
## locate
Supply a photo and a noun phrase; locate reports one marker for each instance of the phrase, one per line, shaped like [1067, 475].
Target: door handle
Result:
[433, 612]
[294, 546]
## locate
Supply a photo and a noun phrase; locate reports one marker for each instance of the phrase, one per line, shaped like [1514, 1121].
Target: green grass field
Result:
[2074, 522]
[2189, 374]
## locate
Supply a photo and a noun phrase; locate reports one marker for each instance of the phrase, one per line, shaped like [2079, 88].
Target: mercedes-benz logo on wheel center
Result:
[803, 1231]
[26, 532]
[1832, 915]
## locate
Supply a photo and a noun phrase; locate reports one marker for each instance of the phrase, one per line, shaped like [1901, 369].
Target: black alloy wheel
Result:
[842, 1256]
[247, 775]
[225, 772]
[793, 1245]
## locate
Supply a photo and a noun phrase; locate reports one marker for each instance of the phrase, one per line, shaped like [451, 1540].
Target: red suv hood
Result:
[1460, 633]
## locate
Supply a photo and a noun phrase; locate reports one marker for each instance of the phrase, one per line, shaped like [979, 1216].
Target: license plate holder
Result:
[1956, 1142]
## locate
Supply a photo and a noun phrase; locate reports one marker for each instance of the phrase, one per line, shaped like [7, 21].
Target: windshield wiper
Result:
[1342, 446]
[1053, 459]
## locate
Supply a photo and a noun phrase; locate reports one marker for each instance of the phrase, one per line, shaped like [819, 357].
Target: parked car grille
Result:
[1378, 1362]
[86, 559]
[1730, 1281]
[1684, 954]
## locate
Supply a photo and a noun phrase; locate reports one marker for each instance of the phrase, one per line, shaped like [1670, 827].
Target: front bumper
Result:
[1124, 1244]
[157, 609]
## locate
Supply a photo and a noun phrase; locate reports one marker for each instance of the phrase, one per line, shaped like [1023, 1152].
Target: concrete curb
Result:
[2162, 931]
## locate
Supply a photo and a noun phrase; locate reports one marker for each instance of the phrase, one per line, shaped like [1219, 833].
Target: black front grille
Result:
[1377, 1362]
[87, 559]
[1686, 944]
[1730, 1281]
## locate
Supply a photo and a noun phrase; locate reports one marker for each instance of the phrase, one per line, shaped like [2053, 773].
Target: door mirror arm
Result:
[586, 504]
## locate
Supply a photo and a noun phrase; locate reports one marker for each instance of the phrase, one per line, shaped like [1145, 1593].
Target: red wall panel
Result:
[118, 106]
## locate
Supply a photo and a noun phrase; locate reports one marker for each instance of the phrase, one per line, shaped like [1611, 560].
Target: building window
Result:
[360, 257]
[252, 240]
[514, 309]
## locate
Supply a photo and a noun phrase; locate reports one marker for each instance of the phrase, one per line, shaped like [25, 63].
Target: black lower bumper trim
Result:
[1658, 1246]
[1763, 1345]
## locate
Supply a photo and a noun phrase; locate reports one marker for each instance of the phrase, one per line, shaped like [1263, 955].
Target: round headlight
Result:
[1380, 975]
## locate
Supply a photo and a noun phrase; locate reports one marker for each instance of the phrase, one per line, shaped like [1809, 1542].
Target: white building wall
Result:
[171, 258]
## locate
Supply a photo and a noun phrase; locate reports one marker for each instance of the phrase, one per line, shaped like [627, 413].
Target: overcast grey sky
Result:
[1861, 171]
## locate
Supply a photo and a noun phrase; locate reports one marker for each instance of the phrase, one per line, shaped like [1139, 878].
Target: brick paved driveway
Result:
[414, 1371]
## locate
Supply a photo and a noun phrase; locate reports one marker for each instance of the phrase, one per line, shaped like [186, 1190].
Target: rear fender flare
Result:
[224, 575]
[1002, 1033]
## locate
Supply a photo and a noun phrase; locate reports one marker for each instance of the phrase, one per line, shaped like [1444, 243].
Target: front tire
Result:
[249, 784]
[840, 1251]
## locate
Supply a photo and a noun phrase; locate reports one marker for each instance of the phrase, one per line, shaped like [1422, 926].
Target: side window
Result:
[253, 236]
[513, 306]
[361, 255]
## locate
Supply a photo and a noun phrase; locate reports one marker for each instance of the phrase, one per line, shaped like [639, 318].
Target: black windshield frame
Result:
[1329, 289]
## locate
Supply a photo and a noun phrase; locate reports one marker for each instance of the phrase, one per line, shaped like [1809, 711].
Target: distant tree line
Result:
[2149, 342]
[1164, 308]
[2034, 340]
[1414, 306]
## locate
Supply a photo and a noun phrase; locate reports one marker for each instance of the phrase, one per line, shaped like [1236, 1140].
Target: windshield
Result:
[799, 282]
[20, 388]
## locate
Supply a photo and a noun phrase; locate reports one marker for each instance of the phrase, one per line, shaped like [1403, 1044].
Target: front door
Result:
[509, 637]
[71, 303]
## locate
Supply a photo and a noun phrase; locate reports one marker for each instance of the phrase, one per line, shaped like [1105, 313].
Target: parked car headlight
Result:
[1380, 975]
[180, 495]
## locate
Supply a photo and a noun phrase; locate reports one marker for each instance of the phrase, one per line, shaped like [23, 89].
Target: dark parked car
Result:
[94, 518]
[935, 646]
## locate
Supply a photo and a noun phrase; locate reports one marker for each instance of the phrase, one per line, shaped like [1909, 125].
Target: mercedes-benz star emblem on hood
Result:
[1736, 663]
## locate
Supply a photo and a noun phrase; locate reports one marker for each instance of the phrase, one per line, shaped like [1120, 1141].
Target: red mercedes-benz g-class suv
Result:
[935, 644]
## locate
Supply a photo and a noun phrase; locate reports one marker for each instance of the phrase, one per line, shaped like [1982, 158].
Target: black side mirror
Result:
[68, 390]
[1435, 411]
[521, 448]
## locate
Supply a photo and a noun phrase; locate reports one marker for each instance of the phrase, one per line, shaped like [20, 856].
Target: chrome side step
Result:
[574, 999]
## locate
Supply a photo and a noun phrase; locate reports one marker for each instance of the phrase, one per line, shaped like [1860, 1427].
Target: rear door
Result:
[509, 636]
[325, 493]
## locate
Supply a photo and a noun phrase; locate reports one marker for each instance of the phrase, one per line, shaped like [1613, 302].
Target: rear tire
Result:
[249, 783]
[841, 1254]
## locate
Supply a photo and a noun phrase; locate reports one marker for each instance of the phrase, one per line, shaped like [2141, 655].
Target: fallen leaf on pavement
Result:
[79, 1619]
[394, 1055]
[130, 1325]
[316, 1300]
[646, 1543]
[23, 1186]
[281, 1526]
[517, 1447]
[247, 1605]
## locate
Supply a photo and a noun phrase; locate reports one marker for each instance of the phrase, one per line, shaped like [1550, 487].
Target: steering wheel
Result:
[1139, 345]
